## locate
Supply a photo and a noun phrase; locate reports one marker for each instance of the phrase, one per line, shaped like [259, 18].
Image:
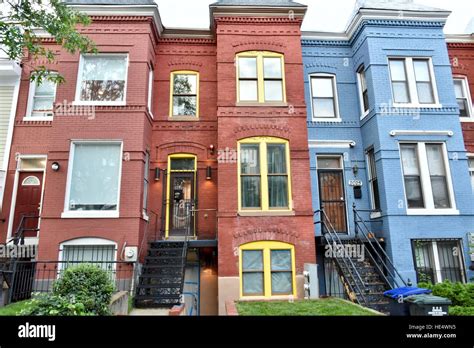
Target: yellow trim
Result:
[262, 142]
[168, 183]
[261, 83]
[267, 247]
[183, 72]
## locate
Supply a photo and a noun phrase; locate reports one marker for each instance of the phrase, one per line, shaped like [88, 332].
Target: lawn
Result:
[13, 309]
[322, 307]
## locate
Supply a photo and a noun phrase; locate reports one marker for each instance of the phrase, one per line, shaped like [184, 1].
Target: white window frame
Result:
[77, 99]
[337, 117]
[146, 186]
[360, 71]
[151, 78]
[428, 200]
[375, 213]
[31, 98]
[88, 214]
[411, 81]
[470, 156]
[467, 93]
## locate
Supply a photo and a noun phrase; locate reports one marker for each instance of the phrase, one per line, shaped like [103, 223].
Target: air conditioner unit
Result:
[130, 254]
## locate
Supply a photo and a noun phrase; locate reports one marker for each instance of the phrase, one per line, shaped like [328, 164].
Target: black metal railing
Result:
[333, 283]
[23, 228]
[352, 280]
[377, 255]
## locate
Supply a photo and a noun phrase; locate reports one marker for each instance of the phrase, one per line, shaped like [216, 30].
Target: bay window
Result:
[93, 188]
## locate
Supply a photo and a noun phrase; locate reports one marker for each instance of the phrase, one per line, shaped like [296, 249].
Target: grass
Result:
[322, 307]
[13, 309]
[130, 304]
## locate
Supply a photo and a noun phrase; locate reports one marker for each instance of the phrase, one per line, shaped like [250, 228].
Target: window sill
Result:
[265, 104]
[98, 103]
[376, 215]
[327, 119]
[266, 213]
[417, 106]
[37, 118]
[145, 216]
[364, 115]
[432, 212]
[90, 215]
[183, 118]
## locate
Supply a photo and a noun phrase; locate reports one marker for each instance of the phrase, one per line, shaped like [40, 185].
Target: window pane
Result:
[248, 91]
[281, 283]
[451, 268]
[425, 92]
[247, 67]
[434, 152]
[249, 159]
[323, 107]
[281, 260]
[103, 78]
[46, 88]
[95, 177]
[253, 283]
[43, 104]
[439, 186]
[422, 70]
[462, 103]
[184, 106]
[272, 68]
[413, 192]
[397, 70]
[250, 191]
[400, 92]
[458, 88]
[88, 253]
[252, 260]
[182, 164]
[424, 261]
[410, 159]
[276, 158]
[323, 87]
[278, 191]
[185, 84]
[273, 91]
[329, 163]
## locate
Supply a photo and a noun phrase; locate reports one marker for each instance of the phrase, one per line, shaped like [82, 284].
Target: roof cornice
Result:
[460, 38]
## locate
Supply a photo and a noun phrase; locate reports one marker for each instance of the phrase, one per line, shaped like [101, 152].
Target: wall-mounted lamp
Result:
[55, 166]
[211, 149]
[157, 174]
[208, 173]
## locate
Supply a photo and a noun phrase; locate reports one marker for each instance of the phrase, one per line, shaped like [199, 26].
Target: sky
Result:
[322, 15]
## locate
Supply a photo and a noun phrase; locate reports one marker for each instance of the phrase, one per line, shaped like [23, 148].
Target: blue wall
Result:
[371, 45]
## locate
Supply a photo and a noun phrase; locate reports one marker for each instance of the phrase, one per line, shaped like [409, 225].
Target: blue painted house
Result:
[388, 161]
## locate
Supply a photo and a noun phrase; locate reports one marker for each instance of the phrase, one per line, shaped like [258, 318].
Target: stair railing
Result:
[379, 257]
[19, 235]
[332, 238]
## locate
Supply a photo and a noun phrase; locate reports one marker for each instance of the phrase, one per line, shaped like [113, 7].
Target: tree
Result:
[22, 20]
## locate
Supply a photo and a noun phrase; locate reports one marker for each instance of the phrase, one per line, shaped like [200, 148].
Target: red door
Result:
[28, 200]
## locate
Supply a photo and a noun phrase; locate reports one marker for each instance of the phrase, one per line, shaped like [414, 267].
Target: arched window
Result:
[31, 181]
[267, 268]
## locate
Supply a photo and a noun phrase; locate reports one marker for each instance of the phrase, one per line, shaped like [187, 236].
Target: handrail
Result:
[19, 235]
[326, 222]
[382, 256]
[145, 234]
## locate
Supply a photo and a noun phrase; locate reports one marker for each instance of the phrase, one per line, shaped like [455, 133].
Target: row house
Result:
[388, 161]
[171, 144]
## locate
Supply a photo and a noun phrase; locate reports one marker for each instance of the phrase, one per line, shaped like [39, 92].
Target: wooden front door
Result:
[28, 202]
[181, 204]
[332, 198]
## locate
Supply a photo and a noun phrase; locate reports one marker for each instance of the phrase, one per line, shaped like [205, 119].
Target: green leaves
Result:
[19, 38]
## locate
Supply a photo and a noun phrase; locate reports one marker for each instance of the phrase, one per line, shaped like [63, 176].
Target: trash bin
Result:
[397, 304]
[428, 305]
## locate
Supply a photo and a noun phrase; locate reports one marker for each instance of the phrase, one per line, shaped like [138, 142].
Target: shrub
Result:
[460, 294]
[459, 310]
[54, 305]
[89, 285]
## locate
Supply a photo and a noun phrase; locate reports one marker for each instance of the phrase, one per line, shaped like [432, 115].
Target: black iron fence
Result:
[334, 285]
[27, 277]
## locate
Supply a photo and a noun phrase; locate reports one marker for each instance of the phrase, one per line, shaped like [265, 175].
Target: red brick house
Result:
[461, 53]
[167, 141]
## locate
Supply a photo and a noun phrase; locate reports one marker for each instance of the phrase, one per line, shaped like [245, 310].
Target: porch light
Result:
[208, 173]
[211, 149]
[55, 166]
[157, 174]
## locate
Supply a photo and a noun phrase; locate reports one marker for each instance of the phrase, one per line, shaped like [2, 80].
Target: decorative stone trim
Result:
[259, 234]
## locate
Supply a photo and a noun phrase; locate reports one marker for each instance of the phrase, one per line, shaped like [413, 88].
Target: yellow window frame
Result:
[183, 72]
[260, 55]
[266, 247]
[264, 200]
[168, 185]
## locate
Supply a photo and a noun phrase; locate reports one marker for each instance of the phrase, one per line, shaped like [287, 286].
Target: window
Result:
[412, 81]
[184, 94]
[41, 99]
[146, 181]
[94, 179]
[425, 171]
[373, 182]
[324, 97]
[438, 260]
[260, 77]
[363, 92]
[267, 268]
[470, 162]
[102, 79]
[264, 174]
[98, 251]
[461, 89]
[150, 91]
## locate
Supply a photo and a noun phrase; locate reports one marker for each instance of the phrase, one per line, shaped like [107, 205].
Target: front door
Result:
[28, 203]
[332, 198]
[181, 204]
